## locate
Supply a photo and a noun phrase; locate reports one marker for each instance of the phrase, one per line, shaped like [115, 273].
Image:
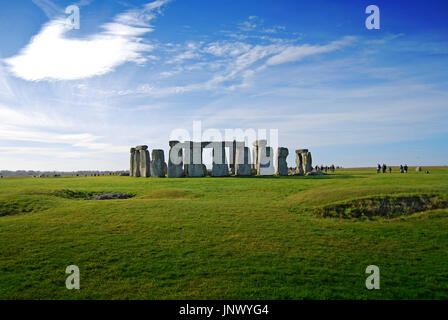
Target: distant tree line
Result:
[33, 173]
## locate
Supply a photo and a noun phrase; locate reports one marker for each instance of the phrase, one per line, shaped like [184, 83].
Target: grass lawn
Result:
[223, 238]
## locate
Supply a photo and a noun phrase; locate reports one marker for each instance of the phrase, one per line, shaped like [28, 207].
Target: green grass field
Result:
[226, 238]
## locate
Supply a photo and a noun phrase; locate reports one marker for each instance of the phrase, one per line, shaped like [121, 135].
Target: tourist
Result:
[405, 168]
[378, 170]
[401, 168]
[390, 170]
[384, 168]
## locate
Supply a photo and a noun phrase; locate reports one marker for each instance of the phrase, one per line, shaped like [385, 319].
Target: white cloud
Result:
[51, 55]
[296, 53]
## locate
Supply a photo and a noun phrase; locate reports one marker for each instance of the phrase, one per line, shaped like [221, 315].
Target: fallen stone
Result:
[110, 196]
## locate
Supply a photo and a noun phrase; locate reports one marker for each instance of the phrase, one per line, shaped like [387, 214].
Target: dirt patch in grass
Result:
[384, 206]
[15, 207]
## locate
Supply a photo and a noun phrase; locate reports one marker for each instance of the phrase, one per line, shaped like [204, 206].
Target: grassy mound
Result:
[384, 206]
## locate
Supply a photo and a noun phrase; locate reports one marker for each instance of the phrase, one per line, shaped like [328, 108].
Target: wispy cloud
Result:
[52, 55]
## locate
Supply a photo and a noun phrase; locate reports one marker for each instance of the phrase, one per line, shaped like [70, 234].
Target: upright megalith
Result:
[219, 167]
[232, 157]
[303, 161]
[308, 165]
[193, 156]
[132, 159]
[263, 158]
[175, 160]
[142, 161]
[242, 162]
[136, 167]
[282, 166]
[258, 146]
[266, 161]
[158, 166]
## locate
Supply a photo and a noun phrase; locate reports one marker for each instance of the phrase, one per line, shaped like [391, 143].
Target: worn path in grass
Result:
[220, 238]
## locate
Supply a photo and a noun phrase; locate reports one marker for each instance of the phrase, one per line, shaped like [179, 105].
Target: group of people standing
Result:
[325, 168]
[403, 169]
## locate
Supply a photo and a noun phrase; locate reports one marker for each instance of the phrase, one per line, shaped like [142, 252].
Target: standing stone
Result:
[136, 172]
[418, 169]
[193, 155]
[282, 166]
[132, 157]
[308, 166]
[299, 163]
[232, 157]
[158, 163]
[175, 161]
[266, 161]
[242, 162]
[258, 146]
[143, 161]
[220, 167]
[303, 161]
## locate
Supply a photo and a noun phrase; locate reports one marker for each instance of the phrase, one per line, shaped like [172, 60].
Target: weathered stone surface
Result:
[258, 146]
[144, 163]
[315, 173]
[132, 157]
[158, 163]
[303, 161]
[282, 166]
[266, 161]
[308, 166]
[418, 169]
[110, 196]
[136, 172]
[220, 167]
[142, 147]
[175, 160]
[193, 154]
[242, 162]
[299, 163]
[232, 158]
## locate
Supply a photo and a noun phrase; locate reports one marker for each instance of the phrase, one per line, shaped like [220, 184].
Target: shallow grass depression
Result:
[226, 238]
[385, 206]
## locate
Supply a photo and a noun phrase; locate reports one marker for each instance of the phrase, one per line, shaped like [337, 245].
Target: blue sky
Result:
[137, 70]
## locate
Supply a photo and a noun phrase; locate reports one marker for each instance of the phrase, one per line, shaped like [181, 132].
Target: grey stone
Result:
[145, 170]
[282, 166]
[109, 196]
[142, 147]
[266, 161]
[175, 160]
[132, 157]
[303, 161]
[242, 162]
[193, 156]
[257, 145]
[158, 163]
[315, 173]
[220, 167]
[136, 172]
[418, 169]
[308, 166]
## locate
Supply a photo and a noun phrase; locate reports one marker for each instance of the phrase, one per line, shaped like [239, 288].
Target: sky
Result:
[135, 72]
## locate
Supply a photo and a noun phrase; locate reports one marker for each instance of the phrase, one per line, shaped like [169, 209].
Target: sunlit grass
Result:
[220, 238]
